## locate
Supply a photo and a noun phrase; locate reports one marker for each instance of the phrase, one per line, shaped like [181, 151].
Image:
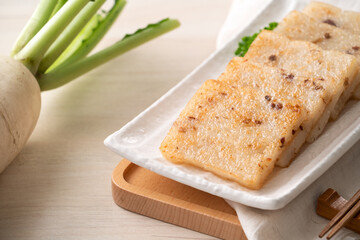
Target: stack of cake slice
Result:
[263, 108]
[346, 20]
[317, 93]
[337, 72]
[299, 26]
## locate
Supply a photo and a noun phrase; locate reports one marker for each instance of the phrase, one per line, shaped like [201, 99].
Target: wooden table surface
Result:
[59, 186]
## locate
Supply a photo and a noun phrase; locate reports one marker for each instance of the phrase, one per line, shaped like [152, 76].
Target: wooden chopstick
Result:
[344, 220]
[341, 213]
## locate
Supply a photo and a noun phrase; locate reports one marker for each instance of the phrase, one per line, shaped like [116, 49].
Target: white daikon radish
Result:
[19, 108]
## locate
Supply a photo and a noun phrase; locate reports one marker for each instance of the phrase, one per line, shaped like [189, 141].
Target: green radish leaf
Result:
[151, 25]
[246, 41]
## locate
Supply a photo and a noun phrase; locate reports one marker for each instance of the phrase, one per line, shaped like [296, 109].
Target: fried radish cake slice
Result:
[336, 71]
[310, 91]
[299, 26]
[326, 13]
[233, 132]
[346, 20]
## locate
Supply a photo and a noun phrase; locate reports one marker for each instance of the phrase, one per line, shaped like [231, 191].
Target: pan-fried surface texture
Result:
[299, 26]
[326, 13]
[346, 20]
[310, 91]
[233, 132]
[336, 70]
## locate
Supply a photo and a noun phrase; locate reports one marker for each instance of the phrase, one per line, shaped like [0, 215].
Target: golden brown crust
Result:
[232, 132]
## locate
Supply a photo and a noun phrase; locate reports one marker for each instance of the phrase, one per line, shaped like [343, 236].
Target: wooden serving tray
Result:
[142, 191]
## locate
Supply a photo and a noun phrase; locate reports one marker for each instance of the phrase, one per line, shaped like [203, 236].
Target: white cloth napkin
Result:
[298, 219]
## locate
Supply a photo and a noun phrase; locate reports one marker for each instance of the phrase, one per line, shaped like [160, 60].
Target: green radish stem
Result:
[59, 5]
[80, 39]
[57, 52]
[33, 52]
[69, 34]
[68, 72]
[40, 16]
[90, 39]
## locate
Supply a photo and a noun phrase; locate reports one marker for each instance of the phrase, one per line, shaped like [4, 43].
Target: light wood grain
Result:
[142, 191]
[59, 186]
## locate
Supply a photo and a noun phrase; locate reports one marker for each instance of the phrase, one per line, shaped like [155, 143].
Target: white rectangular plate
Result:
[139, 140]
